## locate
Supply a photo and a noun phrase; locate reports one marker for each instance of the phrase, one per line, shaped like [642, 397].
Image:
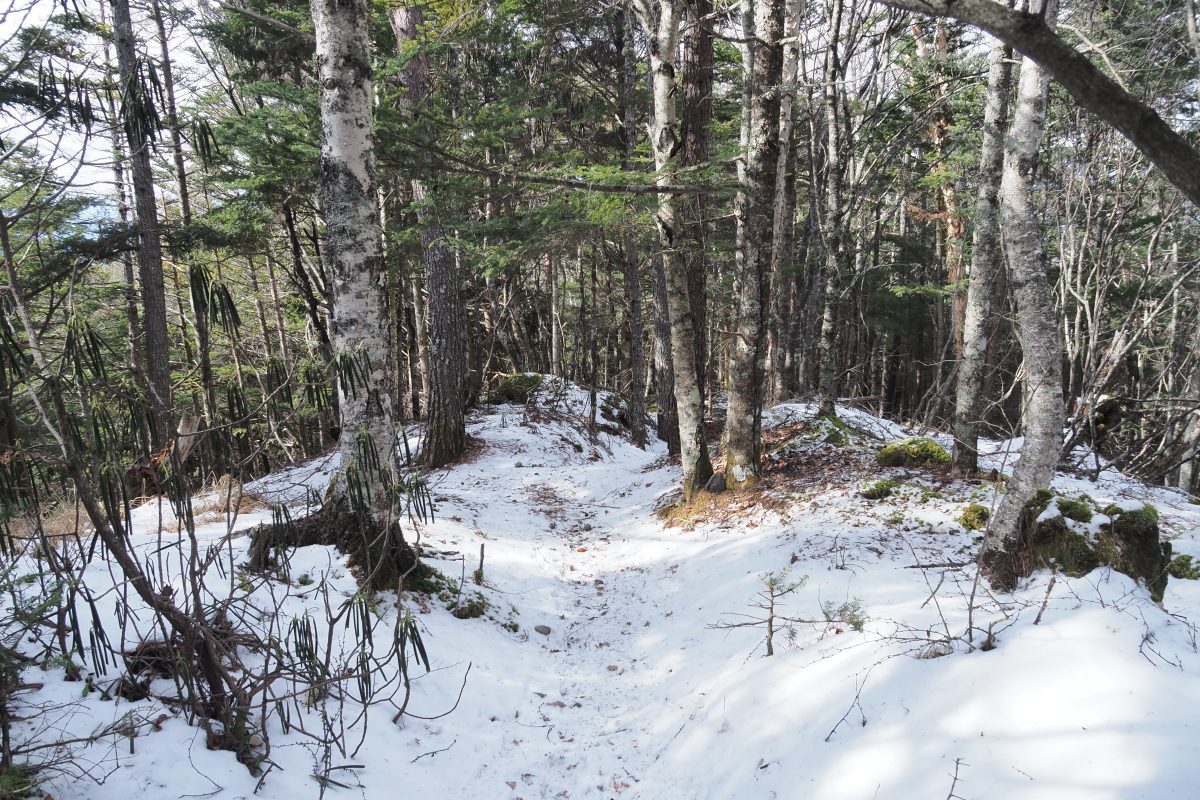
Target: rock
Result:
[518, 465]
[544, 630]
[1056, 532]
[716, 483]
[587, 526]
[918, 452]
[516, 389]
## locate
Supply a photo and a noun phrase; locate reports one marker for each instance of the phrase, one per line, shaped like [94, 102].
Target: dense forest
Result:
[240, 235]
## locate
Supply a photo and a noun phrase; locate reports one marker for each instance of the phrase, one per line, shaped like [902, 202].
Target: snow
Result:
[639, 691]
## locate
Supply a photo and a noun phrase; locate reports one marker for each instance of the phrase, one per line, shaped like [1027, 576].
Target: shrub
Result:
[912, 453]
[877, 490]
[1183, 568]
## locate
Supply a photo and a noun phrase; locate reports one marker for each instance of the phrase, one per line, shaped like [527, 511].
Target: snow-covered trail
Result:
[633, 694]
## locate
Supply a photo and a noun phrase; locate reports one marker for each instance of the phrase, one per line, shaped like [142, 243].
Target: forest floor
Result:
[645, 686]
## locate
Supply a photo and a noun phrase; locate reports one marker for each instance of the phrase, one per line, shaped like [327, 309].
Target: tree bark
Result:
[783, 268]
[754, 209]
[985, 252]
[633, 278]
[353, 254]
[1036, 317]
[696, 136]
[832, 219]
[661, 23]
[445, 433]
[157, 347]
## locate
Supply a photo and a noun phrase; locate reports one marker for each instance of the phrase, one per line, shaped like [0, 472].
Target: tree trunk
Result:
[1036, 317]
[754, 210]
[832, 219]
[985, 251]
[783, 269]
[664, 373]
[696, 135]
[150, 265]
[633, 278]
[661, 22]
[445, 435]
[352, 254]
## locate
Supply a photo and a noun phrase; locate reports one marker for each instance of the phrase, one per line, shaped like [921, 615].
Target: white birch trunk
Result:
[661, 22]
[1036, 320]
[353, 252]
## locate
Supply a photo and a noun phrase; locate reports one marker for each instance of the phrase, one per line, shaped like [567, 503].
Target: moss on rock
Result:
[918, 452]
[1055, 544]
[1078, 509]
[1183, 568]
[1129, 543]
[516, 389]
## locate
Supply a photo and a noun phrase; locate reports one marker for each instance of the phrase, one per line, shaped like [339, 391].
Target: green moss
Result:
[474, 607]
[877, 490]
[836, 432]
[974, 517]
[1183, 568]
[1077, 509]
[424, 579]
[516, 389]
[1054, 544]
[912, 453]
[1143, 518]
[1040, 500]
[1132, 538]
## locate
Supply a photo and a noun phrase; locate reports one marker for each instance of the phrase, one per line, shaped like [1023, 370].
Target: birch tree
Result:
[1037, 329]
[661, 22]
[353, 253]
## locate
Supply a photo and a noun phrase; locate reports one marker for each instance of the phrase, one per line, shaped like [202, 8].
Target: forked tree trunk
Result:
[985, 253]
[754, 210]
[1036, 316]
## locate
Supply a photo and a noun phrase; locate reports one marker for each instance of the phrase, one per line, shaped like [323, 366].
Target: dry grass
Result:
[59, 522]
[723, 509]
[227, 496]
[788, 472]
